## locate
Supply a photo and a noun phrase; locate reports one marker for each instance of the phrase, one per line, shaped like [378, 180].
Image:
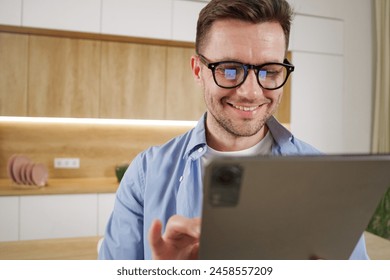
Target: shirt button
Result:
[181, 178]
[200, 150]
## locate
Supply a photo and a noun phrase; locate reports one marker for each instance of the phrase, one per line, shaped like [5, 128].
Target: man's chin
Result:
[245, 130]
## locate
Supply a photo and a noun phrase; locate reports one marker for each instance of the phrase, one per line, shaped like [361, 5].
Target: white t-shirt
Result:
[264, 147]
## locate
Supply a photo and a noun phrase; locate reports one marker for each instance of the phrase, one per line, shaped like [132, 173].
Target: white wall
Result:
[356, 16]
[358, 74]
[11, 12]
[148, 18]
[317, 46]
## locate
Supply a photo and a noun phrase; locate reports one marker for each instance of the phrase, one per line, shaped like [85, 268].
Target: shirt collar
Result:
[197, 141]
[284, 139]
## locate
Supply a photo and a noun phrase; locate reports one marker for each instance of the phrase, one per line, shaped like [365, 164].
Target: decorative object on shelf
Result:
[120, 170]
[25, 172]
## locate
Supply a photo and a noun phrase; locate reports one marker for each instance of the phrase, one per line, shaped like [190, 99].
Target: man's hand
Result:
[180, 240]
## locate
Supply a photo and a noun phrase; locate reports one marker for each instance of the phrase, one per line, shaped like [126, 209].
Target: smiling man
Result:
[240, 64]
[241, 97]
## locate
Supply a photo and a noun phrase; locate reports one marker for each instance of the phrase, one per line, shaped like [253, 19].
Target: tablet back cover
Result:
[295, 207]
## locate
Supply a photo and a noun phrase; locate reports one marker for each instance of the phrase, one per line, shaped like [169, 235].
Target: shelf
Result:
[61, 186]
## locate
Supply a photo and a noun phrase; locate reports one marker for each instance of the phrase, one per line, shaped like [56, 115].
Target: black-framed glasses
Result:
[231, 74]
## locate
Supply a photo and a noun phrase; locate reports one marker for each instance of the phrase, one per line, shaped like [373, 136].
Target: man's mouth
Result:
[244, 108]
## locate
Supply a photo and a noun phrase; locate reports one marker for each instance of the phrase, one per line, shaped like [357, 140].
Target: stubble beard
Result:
[249, 128]
[245, 130]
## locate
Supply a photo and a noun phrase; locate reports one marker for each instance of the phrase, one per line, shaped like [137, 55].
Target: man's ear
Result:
[196, 69]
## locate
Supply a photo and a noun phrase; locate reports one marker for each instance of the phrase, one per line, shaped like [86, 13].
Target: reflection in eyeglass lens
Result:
[230, 74]
[262, 74]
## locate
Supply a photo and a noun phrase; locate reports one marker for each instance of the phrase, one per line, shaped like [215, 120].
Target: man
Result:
[240, 65]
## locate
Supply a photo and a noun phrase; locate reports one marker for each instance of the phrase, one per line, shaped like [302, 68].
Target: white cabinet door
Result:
[317, 100]
[140, 18]
[59, 14]
[317, 87]
[105, 206]
[9, 218]
[318, 35]
[185, 17]
[11, 12]
[58, 216]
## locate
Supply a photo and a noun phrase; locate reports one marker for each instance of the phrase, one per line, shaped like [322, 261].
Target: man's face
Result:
[241, 111]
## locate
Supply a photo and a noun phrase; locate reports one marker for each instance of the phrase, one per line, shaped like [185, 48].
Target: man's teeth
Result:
[247, 109]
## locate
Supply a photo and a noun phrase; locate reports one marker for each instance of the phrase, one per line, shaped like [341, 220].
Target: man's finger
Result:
[195, 252]
[179, 225]
[154, 236]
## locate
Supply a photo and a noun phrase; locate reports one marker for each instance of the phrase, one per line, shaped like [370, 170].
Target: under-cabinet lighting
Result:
[97, 121]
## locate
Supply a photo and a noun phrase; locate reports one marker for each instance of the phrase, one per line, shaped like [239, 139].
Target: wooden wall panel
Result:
[63, 77]
[132, 81]
[184, 97]
[99, 146]
[13, 74]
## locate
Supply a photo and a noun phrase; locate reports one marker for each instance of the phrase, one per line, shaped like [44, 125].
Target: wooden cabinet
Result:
[133, 81]
[14, 73]
[53, 73]
[184, 98]
[63, 77]
[59, 76]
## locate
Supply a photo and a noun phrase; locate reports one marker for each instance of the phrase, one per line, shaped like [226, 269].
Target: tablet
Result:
[293, 207]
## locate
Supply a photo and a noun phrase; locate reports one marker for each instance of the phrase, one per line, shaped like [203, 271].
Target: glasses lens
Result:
[229, 74]
[272, 76]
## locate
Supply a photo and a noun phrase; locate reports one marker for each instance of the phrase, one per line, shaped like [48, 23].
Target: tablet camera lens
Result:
[229, 176]
[226, 183]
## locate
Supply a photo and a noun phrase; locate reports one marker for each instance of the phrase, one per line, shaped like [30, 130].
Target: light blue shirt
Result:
[166, 180]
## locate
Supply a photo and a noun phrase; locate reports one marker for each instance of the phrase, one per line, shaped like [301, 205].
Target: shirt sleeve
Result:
[123, 237]
[360, 252]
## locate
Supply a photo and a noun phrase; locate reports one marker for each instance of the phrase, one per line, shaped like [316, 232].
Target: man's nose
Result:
[250, 89]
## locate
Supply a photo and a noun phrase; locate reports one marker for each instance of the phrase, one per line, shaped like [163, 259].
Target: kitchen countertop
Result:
[378, 248]
[61, 186]
[85, 248]
[81, 248]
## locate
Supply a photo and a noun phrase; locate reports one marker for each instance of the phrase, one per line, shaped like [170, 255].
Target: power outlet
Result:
[67, 163]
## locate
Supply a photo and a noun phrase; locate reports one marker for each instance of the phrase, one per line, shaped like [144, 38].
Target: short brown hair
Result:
[255, 11]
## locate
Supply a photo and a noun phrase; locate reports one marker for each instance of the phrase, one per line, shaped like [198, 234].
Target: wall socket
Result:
[67, 163]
